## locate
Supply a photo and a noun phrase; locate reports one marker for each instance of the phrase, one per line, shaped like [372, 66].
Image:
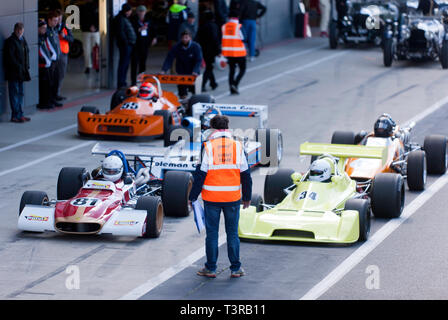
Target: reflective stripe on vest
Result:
[232, 45]
[65, 47]
[223, 182]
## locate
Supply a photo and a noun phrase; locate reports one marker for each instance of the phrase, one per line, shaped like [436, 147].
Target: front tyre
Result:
[444, 55]
[388, 52]
[416, 170]
[154, 215]
[38, 198]
[387, 195]
[333, 36]
[363, 208]
[176, 187]
[435, 149]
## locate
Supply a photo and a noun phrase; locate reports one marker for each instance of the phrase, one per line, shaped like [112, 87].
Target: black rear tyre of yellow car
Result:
[435, 149]
[387, 195]
[176, 187]
[274, 185]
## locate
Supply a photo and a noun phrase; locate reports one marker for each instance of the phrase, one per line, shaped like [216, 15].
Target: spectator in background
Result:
[221, 12]
[47, 57]
[65, 38]
[188, 55]
[89, 16]
[145, 30]
[189, 25]
[209, 39]
[427, 7]
[325, 9]
[53, 38]
[16, 65]
[126, 39]
[251, 10]
[177, 14]
[233, 49]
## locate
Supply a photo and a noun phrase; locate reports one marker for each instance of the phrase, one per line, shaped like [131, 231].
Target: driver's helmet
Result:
[384, 126]
[112, 168]
[321, 170]
[147, 91]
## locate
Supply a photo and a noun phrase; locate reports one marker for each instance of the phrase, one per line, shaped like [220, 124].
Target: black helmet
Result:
[384, 126]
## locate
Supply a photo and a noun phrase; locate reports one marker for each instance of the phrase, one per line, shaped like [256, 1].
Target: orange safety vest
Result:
[223, 182]
[232, 44]
[65, 46]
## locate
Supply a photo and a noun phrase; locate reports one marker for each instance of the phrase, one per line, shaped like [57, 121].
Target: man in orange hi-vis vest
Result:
[232, 47]
[223, 178]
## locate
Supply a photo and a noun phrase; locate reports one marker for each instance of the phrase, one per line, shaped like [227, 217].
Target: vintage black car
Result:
[359, 21]
[418, 37]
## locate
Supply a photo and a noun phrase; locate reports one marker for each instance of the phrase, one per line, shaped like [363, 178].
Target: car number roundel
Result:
[84, 202]
[129, 106]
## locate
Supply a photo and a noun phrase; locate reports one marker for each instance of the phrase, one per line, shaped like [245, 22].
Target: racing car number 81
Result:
[84, 202]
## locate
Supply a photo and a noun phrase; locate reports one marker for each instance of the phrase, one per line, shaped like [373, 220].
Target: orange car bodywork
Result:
[363, 169]
[135, 117]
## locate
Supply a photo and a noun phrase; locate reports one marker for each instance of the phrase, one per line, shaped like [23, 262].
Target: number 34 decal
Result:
[309, 195]
[84, 202]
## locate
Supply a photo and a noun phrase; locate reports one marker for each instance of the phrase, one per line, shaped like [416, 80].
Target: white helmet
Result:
[112, 168]
[320, 170]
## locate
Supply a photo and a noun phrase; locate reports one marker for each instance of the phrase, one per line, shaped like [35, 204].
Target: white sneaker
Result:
[251, 59]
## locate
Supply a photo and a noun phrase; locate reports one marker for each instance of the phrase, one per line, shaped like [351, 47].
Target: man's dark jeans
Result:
[231, 217]
[15, 89]
[233, 63]
[123, 64]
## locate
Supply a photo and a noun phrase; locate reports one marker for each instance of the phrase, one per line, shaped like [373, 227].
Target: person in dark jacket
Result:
[145, 30]
[47, 57]
[126, 39]
[177, 14]
[209, 39]
[53, 38]
[16, 65]
[89, 19]
[221, 12]
[251, 10]
[188, 55]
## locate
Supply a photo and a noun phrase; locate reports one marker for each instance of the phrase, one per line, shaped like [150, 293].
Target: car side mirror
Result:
[296, 177]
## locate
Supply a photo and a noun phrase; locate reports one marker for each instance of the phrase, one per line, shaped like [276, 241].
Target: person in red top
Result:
[233, 49]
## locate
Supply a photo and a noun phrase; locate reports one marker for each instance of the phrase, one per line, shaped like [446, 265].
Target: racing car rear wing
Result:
[233, 110]
[186, 80]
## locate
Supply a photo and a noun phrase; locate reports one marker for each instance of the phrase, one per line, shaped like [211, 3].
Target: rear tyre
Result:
[93, 110]
[70, 181]
[176, 187]
[37, 198]
[444, 55]
[333, 36]
[270, 150]
[416, 170]
[363, 208]
[257, 201]
[154, 215]
[343, 137]
[198, 98]
[388, 52]
[275, 184]
[117, 98]
[435, 149]
[387, 195]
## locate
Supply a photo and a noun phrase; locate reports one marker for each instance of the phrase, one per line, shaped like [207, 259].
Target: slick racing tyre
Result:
[70, 181]
[257, 202]
[343, 137]
[333, 36]
[416, 170]
[275, 184]
[444, 55]
[176, 187]
[387, 195]
[154, 215]
[117, 98]
[388, 52]
[198, 98]
[93, 110]
[363, 208]
[37, 198]
[435, 149]
[271, 147]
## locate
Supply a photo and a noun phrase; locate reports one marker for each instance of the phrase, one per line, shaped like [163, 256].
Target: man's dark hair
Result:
[186, 32]
[52, 14]
[19, 26]
[126, 7]
[219, 122]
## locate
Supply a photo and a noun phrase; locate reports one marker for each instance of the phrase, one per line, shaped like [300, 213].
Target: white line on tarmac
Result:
[53, 155]
[52, 133]
[46, 135]
[168, 273]
[357, 256]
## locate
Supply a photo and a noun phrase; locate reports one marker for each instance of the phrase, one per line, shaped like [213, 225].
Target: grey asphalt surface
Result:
[311, 92]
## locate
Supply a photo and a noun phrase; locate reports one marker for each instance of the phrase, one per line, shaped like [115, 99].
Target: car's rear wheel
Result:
[37, 198]
[435, 149]
[363, 208]
[387, 195]
[444, 55]
[90, 109]
[416, 170]
[388, 52]
[333, 36]
[343, 137]
[275, 184]
[70, 181]
[198, 98]
[176, 187]
[271, 147]
[154, 215]
[117, 98]
[257, 202]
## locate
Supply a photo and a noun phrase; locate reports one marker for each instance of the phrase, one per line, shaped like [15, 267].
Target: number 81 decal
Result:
[84, 202]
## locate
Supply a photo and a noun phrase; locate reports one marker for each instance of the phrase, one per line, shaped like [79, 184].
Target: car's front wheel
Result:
[154, 215]
[387, 195]
[363, 208]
